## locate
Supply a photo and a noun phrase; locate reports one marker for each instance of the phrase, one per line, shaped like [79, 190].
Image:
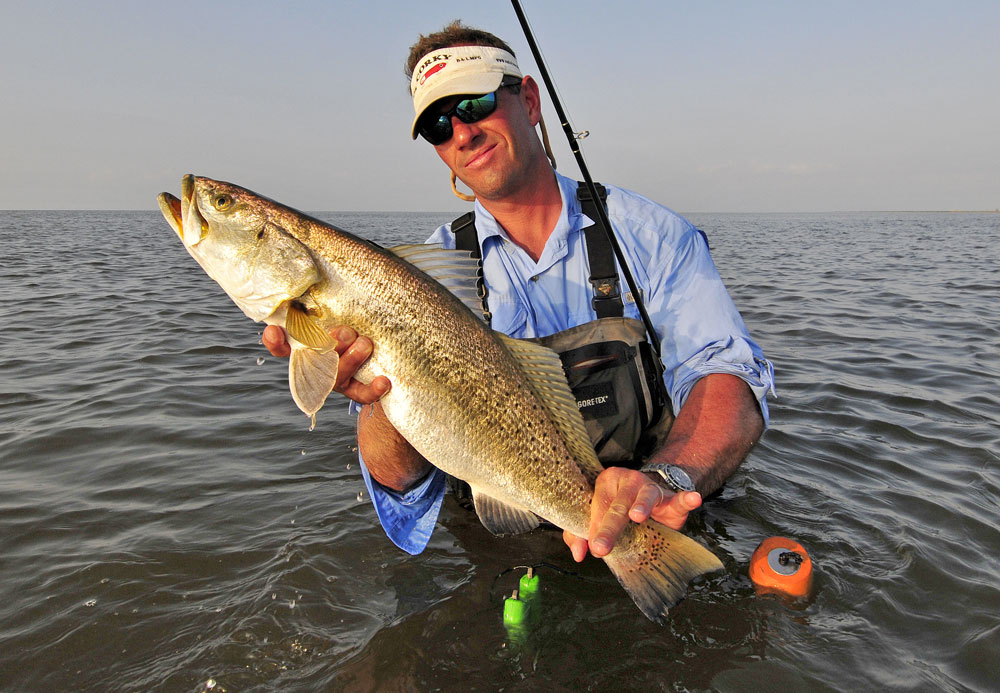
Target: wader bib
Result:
[611, 367]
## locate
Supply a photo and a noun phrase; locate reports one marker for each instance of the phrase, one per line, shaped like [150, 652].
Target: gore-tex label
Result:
[597, 400]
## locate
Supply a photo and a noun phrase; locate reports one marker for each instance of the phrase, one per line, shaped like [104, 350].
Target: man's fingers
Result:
[345, 337]
[610, 529]
[356, 353]
[649, 496]
[577, 545]
[353, 350]
[684, 502]
[274, 341]
[366, 394]
[622, 496]
[615, 498]
[689, 500]
[675, 512]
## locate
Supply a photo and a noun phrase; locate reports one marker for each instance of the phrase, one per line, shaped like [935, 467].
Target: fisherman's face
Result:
[492, 156]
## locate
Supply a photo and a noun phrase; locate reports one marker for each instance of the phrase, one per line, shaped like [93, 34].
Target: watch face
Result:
[679, 479]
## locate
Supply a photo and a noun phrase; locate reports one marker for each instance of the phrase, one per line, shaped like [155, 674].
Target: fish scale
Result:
[492, 411]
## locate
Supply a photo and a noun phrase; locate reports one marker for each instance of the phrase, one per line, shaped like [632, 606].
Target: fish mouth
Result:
[183, 214]
[170, 207]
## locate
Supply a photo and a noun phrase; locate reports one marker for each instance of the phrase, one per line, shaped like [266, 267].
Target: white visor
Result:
[458, 70]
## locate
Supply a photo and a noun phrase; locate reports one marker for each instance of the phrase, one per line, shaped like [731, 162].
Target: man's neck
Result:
[530, 214]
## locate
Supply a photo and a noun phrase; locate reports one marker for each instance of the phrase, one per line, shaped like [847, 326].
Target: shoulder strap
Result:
[607, 299]
[467, 239]
[464, 229]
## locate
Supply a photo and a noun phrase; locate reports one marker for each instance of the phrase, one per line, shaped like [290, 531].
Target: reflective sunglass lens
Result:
[438, 131]
[471, 110]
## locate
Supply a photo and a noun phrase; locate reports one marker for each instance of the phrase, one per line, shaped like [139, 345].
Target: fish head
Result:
[238, 239]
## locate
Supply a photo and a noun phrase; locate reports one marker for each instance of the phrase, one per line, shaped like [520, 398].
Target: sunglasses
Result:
[437, 129]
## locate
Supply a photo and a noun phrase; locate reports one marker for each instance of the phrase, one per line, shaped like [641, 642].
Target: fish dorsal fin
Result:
[456, 270]
[500, 518]
[547, 380]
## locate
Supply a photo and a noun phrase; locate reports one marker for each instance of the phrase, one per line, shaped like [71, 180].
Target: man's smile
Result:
[480, 158]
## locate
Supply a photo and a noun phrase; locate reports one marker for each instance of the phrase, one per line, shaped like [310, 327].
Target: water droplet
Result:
[303, 452]
[260, 360]
[93, 602]
[210, 684]
[361, 496]
[348, 465]
[291, 603]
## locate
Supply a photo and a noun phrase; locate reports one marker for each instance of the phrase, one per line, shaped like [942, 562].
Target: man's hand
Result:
[353, 350]
[390, 459]
[627, 495]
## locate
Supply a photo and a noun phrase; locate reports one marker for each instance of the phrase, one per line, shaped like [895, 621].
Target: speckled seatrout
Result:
[491, 410]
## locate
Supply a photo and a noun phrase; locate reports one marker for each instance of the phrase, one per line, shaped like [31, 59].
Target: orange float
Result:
[781, 566]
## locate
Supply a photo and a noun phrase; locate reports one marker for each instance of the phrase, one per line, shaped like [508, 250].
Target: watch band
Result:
[675, 477]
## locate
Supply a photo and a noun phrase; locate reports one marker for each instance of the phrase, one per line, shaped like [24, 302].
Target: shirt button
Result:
[534, 278]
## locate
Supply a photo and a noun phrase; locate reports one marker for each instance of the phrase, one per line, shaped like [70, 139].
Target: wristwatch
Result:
[677, 479]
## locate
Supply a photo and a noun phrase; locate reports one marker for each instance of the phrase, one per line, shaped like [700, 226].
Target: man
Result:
[477, 110]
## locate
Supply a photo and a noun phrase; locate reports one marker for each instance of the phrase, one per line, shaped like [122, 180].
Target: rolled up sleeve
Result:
[737, 356]
[701, 329]
[407, 518]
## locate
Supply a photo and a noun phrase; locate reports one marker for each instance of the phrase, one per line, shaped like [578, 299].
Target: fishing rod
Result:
[599, 203]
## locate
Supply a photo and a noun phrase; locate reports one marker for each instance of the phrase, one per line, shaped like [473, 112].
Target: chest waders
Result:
[611, 367]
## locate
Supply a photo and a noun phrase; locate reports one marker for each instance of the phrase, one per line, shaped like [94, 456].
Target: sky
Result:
[712, 106]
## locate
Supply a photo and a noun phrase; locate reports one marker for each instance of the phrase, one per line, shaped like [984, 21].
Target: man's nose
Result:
[463, 133]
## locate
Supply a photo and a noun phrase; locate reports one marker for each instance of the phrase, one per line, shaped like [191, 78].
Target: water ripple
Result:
[166, 517]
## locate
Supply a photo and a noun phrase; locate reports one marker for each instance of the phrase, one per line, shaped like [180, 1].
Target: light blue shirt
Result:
[700, 329]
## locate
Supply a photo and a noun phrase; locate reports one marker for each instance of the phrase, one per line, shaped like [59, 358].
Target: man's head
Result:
[458, 60]
[483, 132]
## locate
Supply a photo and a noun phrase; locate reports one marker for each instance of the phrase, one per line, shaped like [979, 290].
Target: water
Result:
[168, 522]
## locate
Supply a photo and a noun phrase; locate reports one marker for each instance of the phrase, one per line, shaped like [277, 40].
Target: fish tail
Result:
[655, 564]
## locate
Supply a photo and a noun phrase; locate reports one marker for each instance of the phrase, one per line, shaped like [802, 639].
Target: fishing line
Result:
[535, 567]
[574, 144]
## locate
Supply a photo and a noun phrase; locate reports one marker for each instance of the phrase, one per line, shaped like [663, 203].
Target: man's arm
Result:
[714, 431]
[391, 460]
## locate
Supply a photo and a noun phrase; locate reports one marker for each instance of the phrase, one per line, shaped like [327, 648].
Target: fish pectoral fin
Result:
[500, 518]
[307, 331]
[311, 377]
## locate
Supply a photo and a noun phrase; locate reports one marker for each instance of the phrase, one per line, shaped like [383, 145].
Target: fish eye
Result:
[222, 202]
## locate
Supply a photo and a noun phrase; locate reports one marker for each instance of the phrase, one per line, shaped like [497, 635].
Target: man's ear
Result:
[532, 99]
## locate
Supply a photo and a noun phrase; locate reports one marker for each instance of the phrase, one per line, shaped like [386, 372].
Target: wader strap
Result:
[464, 229]
[466, 238]
[607, 299]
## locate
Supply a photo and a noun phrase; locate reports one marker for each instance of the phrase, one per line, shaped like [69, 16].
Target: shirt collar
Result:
[571, 221]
